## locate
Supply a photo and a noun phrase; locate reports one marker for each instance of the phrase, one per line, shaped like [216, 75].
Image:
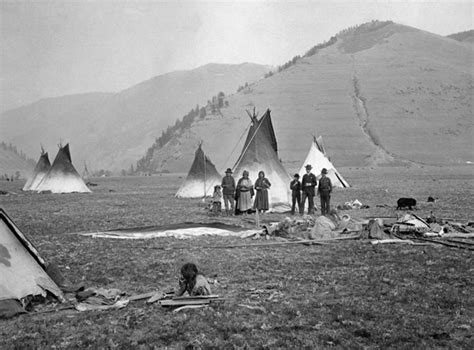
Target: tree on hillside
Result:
[220, 99]
[202, 113]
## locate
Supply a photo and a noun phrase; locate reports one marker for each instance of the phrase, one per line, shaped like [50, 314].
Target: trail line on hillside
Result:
[360, 107]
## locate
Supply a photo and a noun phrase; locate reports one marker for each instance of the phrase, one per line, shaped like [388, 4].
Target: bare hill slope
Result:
[381, 94]
[111, 131]
[14, 163]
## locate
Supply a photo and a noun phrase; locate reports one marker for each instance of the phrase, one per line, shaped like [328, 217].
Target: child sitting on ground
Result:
[216, 205]
[192, 281]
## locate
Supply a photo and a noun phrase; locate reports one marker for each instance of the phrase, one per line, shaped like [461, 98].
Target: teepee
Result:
[22, 270]
[201, 179]
[317, 159]
[85, 173]
[62, 177]
[41, 169]
[260, 154]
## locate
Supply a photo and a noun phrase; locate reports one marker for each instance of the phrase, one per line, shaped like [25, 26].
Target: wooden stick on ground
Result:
[458, 241]
[313, 241]
[143, 296]
[445, 243]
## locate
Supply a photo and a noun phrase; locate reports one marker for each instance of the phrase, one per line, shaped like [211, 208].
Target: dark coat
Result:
[325, 185]
[295, 187]
[228, 185]
[309, 183]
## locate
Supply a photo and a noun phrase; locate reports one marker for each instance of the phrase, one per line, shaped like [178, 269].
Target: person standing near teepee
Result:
[262, 184]
[308, 185]
[228, 191]
[245, 190]
[324, 191]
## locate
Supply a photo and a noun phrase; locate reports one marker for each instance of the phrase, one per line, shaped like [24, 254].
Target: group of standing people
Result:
[306, 190]
[241, 194]
[238, 198]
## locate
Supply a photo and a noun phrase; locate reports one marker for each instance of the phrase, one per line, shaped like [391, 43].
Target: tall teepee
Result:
[317, 159]
[260, 154]
[201, 179]
[62, 177]
[41, 169]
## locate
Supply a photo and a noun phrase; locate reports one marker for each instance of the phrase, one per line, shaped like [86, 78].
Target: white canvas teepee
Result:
[22, 270]
[318, 161]
[201, 179]
[62, 177]
[41, 169]
[260, 154]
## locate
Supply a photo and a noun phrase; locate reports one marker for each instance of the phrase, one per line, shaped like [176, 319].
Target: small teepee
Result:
[201, 179]
[41, 169]
[62, 177]
[317, 159]
[85, 172]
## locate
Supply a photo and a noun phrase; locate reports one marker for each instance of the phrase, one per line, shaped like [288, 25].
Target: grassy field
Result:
[348, 294]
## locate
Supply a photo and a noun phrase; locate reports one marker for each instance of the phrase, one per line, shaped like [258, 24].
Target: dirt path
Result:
[380, 155]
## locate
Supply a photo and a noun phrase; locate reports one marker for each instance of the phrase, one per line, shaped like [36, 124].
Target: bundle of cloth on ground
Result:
[355, 204]
[320, 227]
[433, 227]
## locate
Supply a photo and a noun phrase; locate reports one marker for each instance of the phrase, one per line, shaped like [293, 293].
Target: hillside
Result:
[111, 131]
[380, 94]
[467, 36]
[14, 163]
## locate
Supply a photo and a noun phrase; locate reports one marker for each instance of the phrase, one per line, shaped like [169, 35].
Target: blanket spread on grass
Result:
[180, 231]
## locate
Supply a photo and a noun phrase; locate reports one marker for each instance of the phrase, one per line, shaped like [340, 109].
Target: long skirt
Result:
[261, 200]
[245, 201]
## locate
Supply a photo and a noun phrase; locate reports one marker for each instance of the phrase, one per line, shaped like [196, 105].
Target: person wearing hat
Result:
[308, 184]
[295, 187]
[324, 191]
[228, 191]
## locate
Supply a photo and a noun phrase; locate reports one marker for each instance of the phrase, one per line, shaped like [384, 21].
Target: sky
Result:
[55, 48]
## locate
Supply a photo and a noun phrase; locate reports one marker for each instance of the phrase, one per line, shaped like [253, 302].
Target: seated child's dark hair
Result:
[217, 187]
[296, 175]
[189, 272]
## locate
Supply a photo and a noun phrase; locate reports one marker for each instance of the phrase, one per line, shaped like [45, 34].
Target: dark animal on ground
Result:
[431, 199]
[406, 202]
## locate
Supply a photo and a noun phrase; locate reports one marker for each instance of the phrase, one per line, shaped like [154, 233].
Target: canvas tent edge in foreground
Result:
[41, 169]
[22, 270]
[318, 160]
[260, 153]
[201, 178]
[62, 177]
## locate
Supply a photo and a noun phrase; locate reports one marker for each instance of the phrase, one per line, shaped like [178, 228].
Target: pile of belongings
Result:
[445, 228]
[100, 299]
[289, 227]
[410, 223]
[355, 204]
[309, 227]
[374, 230]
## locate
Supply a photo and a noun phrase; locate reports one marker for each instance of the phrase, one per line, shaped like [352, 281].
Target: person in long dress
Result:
[245, 190]
[262, 184]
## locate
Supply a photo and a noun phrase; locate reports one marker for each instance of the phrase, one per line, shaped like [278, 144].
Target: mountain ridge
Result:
[373, 106]
[112, 130]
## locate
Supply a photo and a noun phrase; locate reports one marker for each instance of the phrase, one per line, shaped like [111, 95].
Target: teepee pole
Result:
[257, 218]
